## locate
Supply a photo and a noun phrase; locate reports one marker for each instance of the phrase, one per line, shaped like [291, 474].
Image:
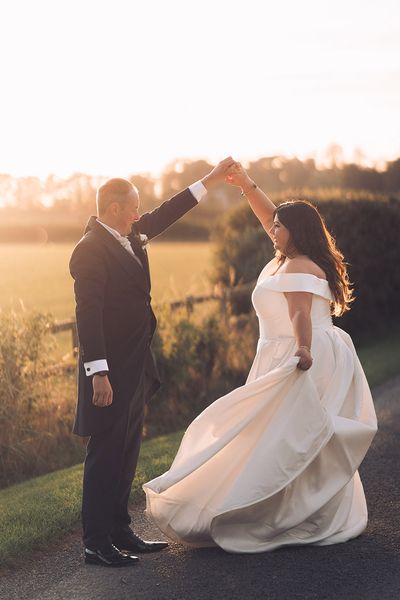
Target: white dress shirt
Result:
[199, 191]
[123, 240]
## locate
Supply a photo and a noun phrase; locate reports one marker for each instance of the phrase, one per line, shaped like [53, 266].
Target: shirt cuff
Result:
[94, 366]
[198, 190]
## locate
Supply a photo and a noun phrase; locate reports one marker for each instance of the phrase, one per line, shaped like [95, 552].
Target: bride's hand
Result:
[238, 176]
[306, 360]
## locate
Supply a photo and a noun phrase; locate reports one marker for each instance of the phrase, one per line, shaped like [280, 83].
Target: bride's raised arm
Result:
[259, 202]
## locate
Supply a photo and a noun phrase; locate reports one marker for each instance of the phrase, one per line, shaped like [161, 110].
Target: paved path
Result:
[367, 568]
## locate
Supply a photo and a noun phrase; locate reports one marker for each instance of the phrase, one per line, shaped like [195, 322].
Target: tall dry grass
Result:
[35, 416]
[200, 356]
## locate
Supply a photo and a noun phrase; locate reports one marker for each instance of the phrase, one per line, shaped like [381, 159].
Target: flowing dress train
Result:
[274, 462]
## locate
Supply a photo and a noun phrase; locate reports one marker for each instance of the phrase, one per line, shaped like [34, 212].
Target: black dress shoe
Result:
[127, 541]
[111, 557]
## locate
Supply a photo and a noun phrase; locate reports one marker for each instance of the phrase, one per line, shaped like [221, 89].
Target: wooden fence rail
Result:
[67, 326]
[188, 303]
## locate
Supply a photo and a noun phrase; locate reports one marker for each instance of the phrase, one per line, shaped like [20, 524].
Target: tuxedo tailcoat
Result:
[115, 320]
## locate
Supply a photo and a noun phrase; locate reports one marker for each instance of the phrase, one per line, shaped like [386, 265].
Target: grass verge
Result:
[380, 358]
[38, 510]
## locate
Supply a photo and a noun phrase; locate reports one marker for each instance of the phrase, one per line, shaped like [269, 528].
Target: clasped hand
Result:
[227, 170]
[237, 176]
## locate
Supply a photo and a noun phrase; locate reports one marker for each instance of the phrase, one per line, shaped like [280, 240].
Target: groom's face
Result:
[128, 213]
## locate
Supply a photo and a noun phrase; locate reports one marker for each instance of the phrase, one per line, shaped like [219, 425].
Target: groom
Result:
[117, 373]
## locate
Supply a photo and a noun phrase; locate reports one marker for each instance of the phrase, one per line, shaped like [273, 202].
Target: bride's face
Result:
[280, 236]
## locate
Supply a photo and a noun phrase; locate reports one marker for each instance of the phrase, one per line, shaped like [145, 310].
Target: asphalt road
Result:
[366, 568]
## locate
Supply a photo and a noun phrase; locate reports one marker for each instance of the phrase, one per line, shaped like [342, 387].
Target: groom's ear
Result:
[114, 209]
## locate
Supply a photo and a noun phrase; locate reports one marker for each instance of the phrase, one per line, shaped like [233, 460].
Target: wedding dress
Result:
[274, 462]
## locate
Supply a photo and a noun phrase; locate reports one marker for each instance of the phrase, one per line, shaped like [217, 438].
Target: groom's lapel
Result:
[140, 253]
[131, 266]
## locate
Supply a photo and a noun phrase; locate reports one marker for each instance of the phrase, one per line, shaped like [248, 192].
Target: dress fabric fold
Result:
[274, 462]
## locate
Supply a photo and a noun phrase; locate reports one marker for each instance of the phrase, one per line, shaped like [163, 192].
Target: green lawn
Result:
[37, 510]
[381, 358]
[37, 277]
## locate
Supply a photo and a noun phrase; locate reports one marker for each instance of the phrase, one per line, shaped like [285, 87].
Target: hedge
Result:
[366, 231]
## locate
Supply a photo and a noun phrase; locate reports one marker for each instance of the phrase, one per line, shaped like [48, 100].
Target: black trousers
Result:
[109, 469]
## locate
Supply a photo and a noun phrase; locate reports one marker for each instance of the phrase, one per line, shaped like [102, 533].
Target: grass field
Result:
[37, 277]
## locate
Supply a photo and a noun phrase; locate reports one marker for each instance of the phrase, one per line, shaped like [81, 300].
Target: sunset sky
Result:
[112, 87]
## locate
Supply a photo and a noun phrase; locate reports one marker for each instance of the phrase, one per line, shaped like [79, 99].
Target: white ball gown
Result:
[274, 462]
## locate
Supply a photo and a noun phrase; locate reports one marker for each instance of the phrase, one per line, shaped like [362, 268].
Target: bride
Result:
[274, 462]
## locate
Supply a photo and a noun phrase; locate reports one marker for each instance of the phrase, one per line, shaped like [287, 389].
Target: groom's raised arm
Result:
[159, 219]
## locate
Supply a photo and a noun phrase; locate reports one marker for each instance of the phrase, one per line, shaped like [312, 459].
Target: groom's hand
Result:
[218, 174]
[102, 391]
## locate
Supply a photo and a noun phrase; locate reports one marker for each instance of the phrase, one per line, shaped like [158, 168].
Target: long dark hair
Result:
[309, 236]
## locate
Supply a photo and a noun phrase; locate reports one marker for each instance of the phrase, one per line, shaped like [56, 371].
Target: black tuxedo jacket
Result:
[114, 317]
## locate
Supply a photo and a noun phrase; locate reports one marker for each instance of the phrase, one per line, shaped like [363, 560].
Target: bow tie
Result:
[125, 243]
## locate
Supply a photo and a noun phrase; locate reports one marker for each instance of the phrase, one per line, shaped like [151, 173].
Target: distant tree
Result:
[391, 177]
[294, 173]
[180, 174]
[146, 186]
[356, 178]
[334, 155]
[27, 193]
[266, 171]
[358, 156]
[7, 197]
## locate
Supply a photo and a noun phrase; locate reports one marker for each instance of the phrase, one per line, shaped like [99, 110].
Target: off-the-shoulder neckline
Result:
[309, 274]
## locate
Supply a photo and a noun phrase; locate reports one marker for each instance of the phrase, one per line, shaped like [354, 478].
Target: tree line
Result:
[61, 206]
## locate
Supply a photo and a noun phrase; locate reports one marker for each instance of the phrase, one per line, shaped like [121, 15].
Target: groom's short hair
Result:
[113, 190]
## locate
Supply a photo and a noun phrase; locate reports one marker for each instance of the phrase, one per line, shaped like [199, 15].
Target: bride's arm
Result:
[299, 305]
[259, 202]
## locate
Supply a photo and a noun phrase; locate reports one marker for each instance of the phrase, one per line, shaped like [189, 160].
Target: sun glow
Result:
[117, 87]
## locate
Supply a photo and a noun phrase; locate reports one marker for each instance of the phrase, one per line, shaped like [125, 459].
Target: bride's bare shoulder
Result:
[303, 264]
